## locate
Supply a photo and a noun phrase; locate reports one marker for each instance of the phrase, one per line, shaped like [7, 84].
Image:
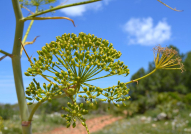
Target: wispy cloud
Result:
[81, 9]
[143, 31]
[6, 83]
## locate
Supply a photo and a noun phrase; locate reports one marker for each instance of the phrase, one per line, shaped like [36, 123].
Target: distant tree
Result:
[187, 74]
[163, 80]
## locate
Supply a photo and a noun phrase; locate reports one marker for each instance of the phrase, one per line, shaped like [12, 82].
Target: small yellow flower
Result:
[166, 58]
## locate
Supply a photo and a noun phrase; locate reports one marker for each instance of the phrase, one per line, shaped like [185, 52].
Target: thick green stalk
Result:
[16, 64]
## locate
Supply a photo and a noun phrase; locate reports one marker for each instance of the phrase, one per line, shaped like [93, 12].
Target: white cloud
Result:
[81, 9]
[142, 31]
[107, 1]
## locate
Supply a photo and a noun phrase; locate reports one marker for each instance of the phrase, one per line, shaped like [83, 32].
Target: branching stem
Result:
[60, 7]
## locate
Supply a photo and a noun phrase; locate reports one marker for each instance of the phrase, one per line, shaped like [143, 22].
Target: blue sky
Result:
[133, 26]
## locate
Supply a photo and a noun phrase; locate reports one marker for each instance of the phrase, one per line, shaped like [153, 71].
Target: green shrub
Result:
[175, 95]
[187, 99]
[1, 123]
[12, 130]
[6, 111]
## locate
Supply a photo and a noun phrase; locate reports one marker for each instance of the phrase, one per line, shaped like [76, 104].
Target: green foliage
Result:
[6, 111]
[170, 104]
[187, 99]
[187, 74]
[1, 123]
[11, 130]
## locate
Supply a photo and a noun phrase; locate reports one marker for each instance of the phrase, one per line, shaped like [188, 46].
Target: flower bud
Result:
[29, 103]
[102, 99]
[106, 94]
[44, 85]
[124, 104]
[91, 104]
[85, 89]
[28, 98]
[63, 115]
[34, 59]
[83, 123]
[74, 112]
[49, 99]
[98, 94]
[49, 85]
[68, 125]
[74, 125]
[85, 96]
[27, 74]
[81, 105]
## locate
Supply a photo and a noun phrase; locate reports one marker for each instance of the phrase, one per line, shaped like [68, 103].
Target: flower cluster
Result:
[36, 92]
[75, 111]
[78, 60]
[166, 58]
[116, 93]
[82, 57]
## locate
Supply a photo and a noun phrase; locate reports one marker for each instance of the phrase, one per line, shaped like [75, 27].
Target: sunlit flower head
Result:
[166, 58]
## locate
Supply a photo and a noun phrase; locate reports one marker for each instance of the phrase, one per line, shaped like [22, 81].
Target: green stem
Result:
[170, 68]
[33, 110]
[141, 77]
[91, 74]
[95, 73]
[39, 103]
[27, 32]
[59, 7]
[100, 77]
[16, 64]
[88, 72]
[3, 52]
[81, 92]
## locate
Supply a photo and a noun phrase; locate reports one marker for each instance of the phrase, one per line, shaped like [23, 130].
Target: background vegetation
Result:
[163, 96]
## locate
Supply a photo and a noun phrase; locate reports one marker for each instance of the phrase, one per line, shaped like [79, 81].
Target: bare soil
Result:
[94, 124]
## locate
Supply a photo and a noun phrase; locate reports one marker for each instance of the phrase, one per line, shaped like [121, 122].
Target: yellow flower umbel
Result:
[166, 58]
